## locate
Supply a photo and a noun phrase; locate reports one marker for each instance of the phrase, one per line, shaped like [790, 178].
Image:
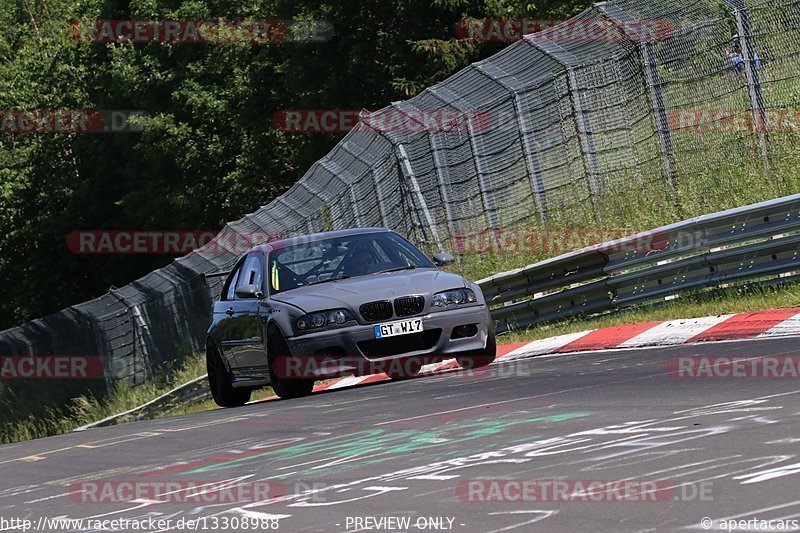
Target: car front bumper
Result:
[355, 350]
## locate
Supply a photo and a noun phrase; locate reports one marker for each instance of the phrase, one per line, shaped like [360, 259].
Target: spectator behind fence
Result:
[737, 58]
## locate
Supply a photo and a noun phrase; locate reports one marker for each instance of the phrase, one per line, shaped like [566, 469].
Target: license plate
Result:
[398, 328]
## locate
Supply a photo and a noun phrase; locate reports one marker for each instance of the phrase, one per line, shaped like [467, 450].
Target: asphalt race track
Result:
[427, 454]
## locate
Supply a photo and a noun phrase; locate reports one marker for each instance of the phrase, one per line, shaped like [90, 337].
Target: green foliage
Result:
[208, 152]
[40, 422]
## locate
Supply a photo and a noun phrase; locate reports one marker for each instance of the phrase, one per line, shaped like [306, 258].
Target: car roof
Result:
[313, 237]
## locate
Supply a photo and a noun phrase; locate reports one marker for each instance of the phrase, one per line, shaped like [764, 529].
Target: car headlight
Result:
[323, 319]
[453, 297]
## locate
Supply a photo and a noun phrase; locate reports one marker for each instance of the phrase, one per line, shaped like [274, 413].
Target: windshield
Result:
[340, 258]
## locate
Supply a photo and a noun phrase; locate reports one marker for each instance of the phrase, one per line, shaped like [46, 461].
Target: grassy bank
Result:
[712, 303]
[86, 409]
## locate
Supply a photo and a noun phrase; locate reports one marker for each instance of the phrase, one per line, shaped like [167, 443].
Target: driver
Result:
[360, 262]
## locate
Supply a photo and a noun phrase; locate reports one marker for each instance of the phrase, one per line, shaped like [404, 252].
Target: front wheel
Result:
[220, 381]
[479, 358]
[283, 386]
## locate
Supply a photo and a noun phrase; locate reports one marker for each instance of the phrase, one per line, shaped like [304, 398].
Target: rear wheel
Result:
[221, 382]
[284, 387]
[479, 358]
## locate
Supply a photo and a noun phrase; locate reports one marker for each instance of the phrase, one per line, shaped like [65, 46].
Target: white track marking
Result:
[544, 346]
[674, 331]
[790, 326]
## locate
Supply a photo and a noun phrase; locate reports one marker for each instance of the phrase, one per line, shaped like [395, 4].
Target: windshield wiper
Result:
[407, 267]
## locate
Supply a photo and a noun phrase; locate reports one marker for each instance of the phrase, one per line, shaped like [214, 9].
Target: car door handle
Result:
[230, 311]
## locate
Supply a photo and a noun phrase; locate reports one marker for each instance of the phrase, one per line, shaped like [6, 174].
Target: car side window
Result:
[230, 290]
[251, 272]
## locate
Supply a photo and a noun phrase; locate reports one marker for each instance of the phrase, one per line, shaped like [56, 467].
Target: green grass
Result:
[711, 303]
[627, 207]
[86, 409]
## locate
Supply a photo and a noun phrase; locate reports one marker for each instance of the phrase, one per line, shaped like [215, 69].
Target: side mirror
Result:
[443, 259]
[249, 291]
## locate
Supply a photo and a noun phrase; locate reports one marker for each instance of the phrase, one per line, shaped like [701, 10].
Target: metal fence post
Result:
[313, 223]
[140, 329]
[484, 184]
[494, 73]
[439, 164]
[99, 349]
[443, 181]
[405, 169]
[655, 83]
[742, 16]
[335, 169]
[625, 110]
[311, 227]
[381, 207]
[585, 134]
[375, 183]
[408, 171]
[356, 211]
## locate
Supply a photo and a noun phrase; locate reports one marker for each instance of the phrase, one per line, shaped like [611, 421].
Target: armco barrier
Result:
[746, 243]
[193, 391]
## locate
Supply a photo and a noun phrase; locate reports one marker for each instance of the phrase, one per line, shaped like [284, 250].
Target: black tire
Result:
[284, 387]
[479, 358]
[220, 381]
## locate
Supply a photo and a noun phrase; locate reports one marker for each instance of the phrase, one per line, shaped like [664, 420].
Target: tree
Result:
[207, 152]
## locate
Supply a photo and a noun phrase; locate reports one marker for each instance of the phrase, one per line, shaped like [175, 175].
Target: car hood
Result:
[351, 293]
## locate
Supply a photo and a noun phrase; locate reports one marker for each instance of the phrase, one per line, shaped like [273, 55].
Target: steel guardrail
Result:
[193, 391]
[745, 243]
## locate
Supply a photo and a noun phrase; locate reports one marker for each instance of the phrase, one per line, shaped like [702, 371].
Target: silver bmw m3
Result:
[350, 302]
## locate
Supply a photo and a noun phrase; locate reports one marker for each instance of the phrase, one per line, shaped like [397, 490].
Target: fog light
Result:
[462, 332]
